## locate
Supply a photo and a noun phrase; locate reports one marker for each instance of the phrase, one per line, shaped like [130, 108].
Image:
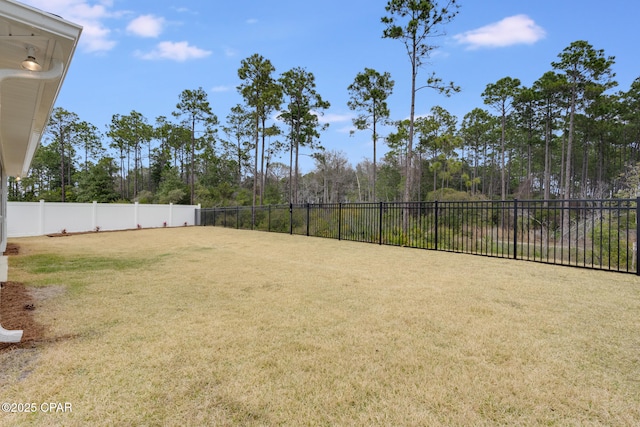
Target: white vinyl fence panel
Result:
[40, 218]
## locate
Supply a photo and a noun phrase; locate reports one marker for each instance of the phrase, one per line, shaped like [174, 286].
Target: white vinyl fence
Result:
[40, 218]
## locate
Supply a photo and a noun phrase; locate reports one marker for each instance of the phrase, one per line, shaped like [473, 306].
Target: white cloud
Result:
[518, 29]
[175, 51]
[96, 36]
[182, 9]
[334, 118]
[322, 118]
[221, 88]
[252, 21]
[146, 26]
[346, 129]
[230, 52]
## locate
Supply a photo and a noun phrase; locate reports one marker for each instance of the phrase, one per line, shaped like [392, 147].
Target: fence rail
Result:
[597, 234]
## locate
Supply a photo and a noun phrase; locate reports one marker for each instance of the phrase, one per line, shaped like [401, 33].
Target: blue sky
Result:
[140, 55]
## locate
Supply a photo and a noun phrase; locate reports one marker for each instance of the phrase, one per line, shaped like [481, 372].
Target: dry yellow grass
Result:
[208, 326]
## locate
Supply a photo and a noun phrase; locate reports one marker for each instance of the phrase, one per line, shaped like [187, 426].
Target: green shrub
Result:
[610, 244]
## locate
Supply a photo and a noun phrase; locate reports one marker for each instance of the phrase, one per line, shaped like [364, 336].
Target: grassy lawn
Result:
[208, 326]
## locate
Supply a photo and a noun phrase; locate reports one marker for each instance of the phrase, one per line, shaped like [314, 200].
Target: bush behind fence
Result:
[598, 234]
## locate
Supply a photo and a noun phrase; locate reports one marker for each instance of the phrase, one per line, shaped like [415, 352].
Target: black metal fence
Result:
[598, 234]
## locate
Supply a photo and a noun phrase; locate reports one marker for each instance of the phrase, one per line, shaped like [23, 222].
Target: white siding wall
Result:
[4, 264]
[3, 210]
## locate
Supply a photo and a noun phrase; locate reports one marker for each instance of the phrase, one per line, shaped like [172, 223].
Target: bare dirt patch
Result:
[17, 308]
[12, 249]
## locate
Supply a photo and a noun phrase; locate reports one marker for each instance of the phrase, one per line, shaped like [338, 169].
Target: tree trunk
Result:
[547, 160]
[503, 184]
[62, 167]
[255, 172]
[291, 172]
[375, 137]
[193, 160]
[239, 162]
[295, 173]
[408, 184]
[585, 170]
[567, 172]
[262, 175]
[566, 220]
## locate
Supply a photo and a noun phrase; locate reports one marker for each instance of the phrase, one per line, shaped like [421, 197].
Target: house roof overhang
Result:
[27, 97]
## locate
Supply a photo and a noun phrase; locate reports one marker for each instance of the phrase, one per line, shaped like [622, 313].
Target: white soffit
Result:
[27, 97]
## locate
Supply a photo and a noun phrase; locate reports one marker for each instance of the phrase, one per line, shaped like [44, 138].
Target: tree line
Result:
[568, 135]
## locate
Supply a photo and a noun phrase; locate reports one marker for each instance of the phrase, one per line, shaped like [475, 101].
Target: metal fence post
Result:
[635, 245]
[290, 218]
[436, 224]
[380, 225]
[515, 228]
[340, 221]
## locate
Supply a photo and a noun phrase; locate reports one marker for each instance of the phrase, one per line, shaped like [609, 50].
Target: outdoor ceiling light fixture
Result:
[30, 63]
